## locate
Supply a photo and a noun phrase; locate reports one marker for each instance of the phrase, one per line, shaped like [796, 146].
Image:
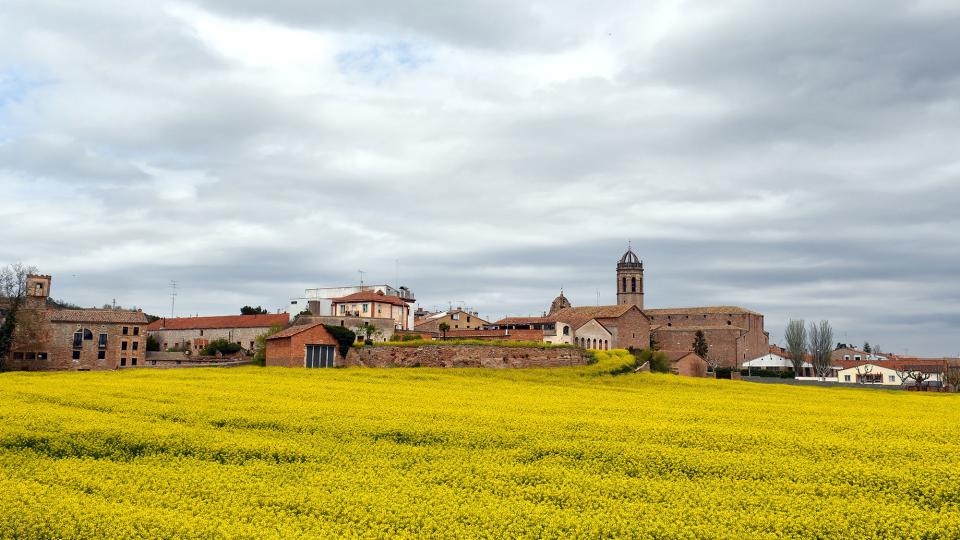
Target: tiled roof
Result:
[706, 310]
[370, 296]
[525, 320]
[594, 312]
[109, 316]
[326, 338]
[224, 321]
[927, 365]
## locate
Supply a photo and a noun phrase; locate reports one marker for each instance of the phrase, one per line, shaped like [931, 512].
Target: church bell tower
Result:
[630, 279]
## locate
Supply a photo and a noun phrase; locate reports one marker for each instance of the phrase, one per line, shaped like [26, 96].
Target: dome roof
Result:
[630, 258]
[559, 303]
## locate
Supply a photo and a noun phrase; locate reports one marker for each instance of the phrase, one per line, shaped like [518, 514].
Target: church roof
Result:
[705, 310]
[630, 258]
[579, 316]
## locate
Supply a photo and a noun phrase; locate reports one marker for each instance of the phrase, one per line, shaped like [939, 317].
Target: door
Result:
[319, 356]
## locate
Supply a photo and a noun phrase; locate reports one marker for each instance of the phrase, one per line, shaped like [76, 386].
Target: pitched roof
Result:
[371, 296]
[525, 320]
[108, 316]
[926, 365]
[223, 321]
[294, 330]
[595, 312]
[705, 310]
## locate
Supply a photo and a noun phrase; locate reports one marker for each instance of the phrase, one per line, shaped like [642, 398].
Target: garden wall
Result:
[449, 356]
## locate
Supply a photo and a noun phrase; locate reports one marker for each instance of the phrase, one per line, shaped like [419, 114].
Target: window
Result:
[76, 355]
[468, 319]
[251, 345]
[846, 378]
[455, 316]
[133, 361]
[846, 357]
[41, 356]
[136, 345]
[366, 308]
[624, 283]
[136, 330]
[165, 345]
[18, 356]
[892, 378]
[566, 330]
[78, 339]
[201, 333]
[293, 302]
[633, 284]
[856, 357]
[101, 355]
[123, 361]
[123, 345]
[126, 330]
[102, 342]
[87, 334]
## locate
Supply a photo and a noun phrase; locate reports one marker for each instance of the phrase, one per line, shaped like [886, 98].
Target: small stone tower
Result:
[38, 289]
[559, 303]
[630, 279]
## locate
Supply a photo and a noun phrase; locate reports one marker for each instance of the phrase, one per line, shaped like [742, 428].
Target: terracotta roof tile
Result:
[326, 338]
[224, 321]
[370, 296]
[705, 310]
[110, 316]
[525, 320]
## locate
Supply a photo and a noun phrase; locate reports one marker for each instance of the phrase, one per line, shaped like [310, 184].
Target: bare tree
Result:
[796, 335]
[950, 377]
[820, 340]
[13, 287]
[863, 373]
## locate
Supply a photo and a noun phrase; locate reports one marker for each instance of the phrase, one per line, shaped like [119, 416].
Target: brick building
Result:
[308, 345]
[194, 333]
[734, 335]
[74, 339]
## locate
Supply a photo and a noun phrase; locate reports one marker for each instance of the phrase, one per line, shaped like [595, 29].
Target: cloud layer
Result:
[796, 159]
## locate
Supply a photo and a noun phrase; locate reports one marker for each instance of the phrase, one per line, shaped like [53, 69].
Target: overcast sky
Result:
[801, 159]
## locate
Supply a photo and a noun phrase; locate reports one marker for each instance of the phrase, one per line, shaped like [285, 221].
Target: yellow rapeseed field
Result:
[569, 452]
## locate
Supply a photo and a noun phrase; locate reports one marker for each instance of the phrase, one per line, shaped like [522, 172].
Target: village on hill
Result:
[378, 326]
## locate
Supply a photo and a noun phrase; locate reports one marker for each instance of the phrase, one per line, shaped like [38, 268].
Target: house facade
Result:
[195, 333]
[74, 339]
[374, 305]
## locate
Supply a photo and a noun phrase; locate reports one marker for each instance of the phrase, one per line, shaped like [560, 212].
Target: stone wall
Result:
[245, 337]
[487, 356]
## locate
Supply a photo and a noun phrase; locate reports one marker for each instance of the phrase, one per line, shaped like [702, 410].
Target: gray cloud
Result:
[799, 160]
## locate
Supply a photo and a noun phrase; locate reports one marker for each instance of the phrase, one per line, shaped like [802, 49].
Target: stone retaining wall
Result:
[454, 356]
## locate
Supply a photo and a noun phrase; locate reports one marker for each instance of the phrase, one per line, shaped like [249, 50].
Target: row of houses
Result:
[849, 365]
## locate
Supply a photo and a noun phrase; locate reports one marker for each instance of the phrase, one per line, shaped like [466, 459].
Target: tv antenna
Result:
[173, 297]
[361, 272]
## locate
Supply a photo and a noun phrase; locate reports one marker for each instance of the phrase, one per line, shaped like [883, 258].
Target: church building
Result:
[734, 334]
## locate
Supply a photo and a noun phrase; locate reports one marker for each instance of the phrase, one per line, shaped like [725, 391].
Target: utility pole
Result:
[173, 297]
[361, 272]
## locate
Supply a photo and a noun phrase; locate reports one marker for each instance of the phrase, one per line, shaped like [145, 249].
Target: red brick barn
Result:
[308, 345]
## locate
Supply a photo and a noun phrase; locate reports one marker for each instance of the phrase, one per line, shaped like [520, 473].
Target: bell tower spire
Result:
[630, 278]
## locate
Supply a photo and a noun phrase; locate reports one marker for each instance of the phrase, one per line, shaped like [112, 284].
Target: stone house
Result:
[194, 333]
[74, 339]
[457, 319]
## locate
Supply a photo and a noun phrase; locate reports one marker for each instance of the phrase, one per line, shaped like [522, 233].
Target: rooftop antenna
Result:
[361, 272]
[173, 297]
[114, 303]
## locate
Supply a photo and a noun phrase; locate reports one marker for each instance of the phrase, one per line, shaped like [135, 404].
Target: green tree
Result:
[653, 343]
[152, 343]
[220, 345]
[344, 336]
[866, 347]
[368, 331]
[247, 310]
[700, 344]
[443, 327]
[260, 345]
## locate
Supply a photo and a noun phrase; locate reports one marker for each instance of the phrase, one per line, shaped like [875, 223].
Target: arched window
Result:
[594, 343]
[633, 284]
[87, 334]
[566, 330]
[624, 283]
